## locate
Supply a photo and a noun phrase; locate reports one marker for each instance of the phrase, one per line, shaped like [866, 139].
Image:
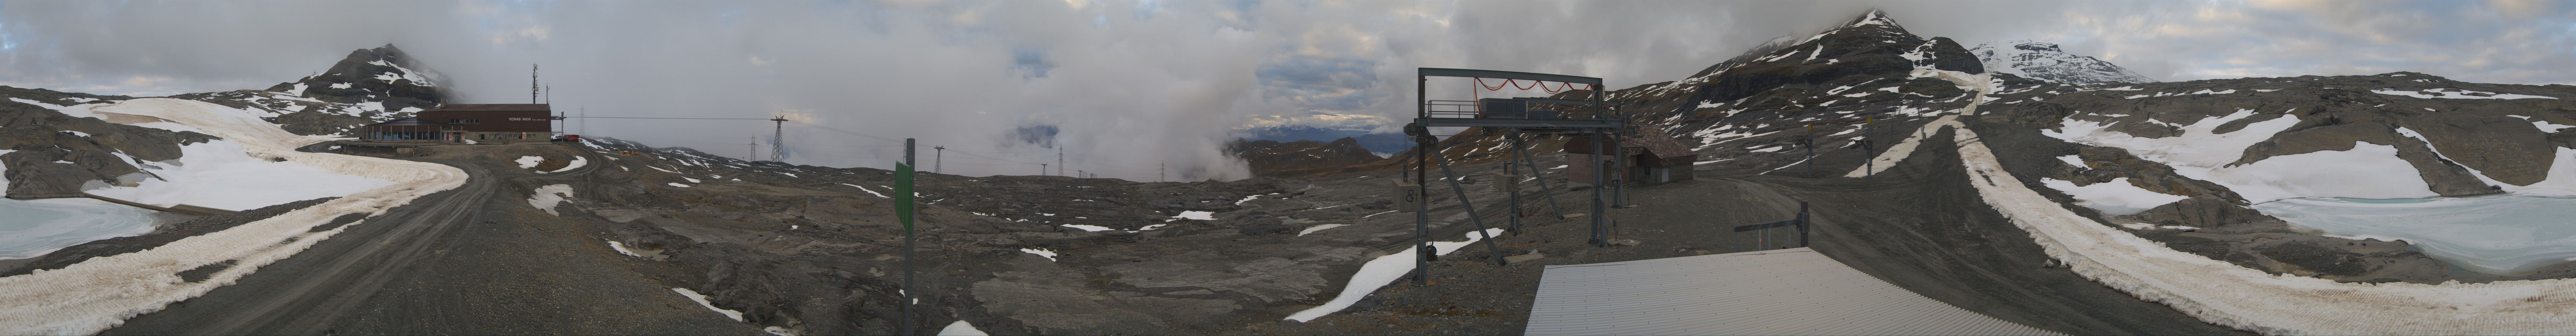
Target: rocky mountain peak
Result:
[1871, 46]
[1874, 17]
[2047, 62]
[380, 75]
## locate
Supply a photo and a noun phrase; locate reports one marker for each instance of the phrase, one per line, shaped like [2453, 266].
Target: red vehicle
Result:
[568, 137]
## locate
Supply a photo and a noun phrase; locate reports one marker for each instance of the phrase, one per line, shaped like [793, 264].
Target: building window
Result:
[464, 121]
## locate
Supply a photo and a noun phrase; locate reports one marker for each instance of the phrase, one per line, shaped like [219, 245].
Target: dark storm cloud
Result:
[1129, 85]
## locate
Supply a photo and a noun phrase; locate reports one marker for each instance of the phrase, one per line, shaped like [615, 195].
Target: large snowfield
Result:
[2200, 152]
[223, 175]
[102, 292]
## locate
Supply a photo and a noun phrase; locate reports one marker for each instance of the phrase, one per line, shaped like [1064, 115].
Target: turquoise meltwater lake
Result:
[31, 228]
[2492, 234]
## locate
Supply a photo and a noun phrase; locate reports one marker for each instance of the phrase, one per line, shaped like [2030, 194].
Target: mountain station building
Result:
[481, 123]
[1649, 160]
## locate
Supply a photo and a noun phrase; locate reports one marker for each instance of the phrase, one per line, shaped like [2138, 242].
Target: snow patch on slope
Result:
[2201, 153]
[736, 315]
[102, 292]
[224, 174]
[2114, 198]
[1380, 272]
[547, 196]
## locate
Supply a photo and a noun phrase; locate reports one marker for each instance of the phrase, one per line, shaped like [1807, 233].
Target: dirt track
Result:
[472, 260]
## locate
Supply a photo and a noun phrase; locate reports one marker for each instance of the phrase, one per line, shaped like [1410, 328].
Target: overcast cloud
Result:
[1129, 85]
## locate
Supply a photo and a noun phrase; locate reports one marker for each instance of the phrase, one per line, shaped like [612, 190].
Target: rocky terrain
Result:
[1302, 157]
[1871, 80]
[611, 236]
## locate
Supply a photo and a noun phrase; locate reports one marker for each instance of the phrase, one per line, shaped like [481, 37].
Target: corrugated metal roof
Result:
[1777, 292]
[1659, 146]
[493, 107]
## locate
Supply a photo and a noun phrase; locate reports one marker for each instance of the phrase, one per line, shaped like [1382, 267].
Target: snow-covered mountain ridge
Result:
[2047, 62]
[105, 149]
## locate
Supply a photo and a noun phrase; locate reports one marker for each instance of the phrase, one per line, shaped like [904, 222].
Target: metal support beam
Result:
[1619, 195]
[1470, 206]
[1811, 154]
[1802, 224]
[1540, 176]
[1442, 72]
[1600, 180]
[1524, 123]
[1535, 100]
[1422, 251]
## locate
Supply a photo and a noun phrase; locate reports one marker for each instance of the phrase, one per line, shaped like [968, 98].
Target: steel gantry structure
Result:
[1591, 115]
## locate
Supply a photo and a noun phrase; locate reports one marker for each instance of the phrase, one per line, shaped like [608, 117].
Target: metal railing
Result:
[1503, 109]
[1764, 238]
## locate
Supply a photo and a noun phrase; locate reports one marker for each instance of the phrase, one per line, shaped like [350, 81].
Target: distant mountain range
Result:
[1374, 142]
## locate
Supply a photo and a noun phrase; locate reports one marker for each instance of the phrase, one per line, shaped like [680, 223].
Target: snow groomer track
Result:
[103, 292]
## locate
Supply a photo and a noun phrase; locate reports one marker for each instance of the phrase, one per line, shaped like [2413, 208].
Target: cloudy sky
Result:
[1123, 86]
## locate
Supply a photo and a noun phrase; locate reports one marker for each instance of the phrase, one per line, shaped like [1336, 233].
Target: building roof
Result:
[407, 121]
[1661, 147]
[1777, 292]
[492, 107]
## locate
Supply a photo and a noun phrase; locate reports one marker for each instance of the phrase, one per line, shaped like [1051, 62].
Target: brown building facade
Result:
[503, 123]
[1650, 160]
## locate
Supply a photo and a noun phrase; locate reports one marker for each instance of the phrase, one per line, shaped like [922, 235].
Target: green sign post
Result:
[903, 212]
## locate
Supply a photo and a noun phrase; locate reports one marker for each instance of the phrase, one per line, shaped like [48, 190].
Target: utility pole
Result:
[1059, 161]
[753, 153]
[532, 83]
[1042, 169]
[777, 145]
[936, 155]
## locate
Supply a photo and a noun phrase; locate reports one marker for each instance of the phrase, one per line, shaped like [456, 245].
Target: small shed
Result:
[1650, 160]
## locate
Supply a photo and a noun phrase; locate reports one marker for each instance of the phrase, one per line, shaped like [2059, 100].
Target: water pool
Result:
[2492, 234]
[31, 228]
